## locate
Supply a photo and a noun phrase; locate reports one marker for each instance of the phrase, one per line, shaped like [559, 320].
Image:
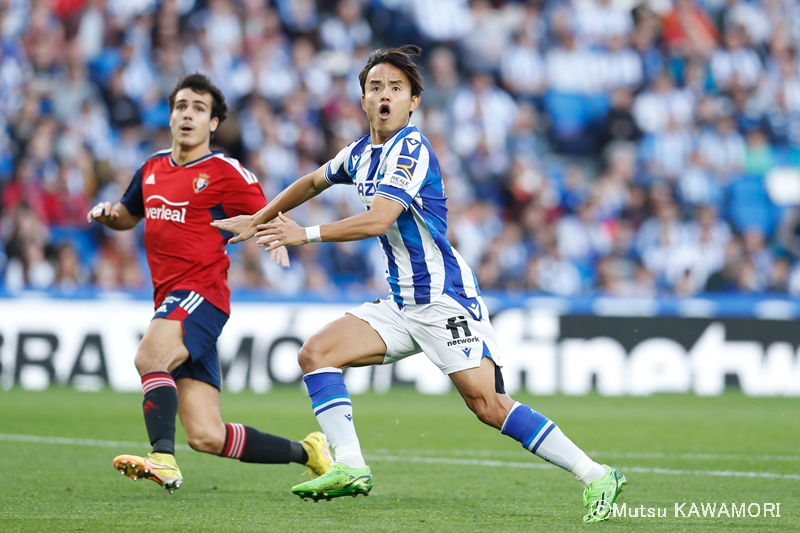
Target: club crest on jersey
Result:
[200, 182]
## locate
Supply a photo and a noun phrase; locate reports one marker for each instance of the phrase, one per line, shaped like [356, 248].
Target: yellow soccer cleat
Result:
[319, 455]
[159, 467]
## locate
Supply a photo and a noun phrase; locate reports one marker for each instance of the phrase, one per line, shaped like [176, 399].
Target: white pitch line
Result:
[634, 469]
[615, 455]
[697, 456]
[81, 442]
[413, 458]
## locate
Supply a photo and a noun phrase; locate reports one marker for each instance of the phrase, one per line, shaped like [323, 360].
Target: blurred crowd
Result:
[616, 147]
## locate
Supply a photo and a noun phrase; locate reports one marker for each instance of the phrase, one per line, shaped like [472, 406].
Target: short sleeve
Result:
[132, 199]
[243, 194]
[406, 169]
[337, 171]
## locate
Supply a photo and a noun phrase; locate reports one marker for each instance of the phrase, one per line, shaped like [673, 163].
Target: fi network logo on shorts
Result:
[458, 325]
[703, 510]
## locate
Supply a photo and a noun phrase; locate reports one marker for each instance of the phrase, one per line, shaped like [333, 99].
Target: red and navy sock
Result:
[249, 445]
[160, 408]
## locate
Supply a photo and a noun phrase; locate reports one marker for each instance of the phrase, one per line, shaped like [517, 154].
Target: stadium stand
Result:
[612, 147]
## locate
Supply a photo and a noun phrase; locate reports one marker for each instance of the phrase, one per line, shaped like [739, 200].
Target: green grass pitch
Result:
[436, 468]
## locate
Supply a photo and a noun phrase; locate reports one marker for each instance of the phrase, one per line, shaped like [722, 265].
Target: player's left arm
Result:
[283, 231]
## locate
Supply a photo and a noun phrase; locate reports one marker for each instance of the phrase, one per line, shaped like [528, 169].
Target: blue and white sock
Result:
[541, 436]
[334, 411]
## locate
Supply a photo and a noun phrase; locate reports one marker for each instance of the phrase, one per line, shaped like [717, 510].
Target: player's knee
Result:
[487, 411]
[145, 361]
[310, 356]
[206, 441]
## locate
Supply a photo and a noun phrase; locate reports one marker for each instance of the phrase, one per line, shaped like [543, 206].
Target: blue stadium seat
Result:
[749, 205]
[81, 239]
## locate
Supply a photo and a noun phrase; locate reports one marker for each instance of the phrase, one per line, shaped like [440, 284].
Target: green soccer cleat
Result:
[319, 455]
[599, 495]
[340, 480]
[158, 467]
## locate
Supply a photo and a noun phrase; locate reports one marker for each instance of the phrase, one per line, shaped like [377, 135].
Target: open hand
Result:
[280, 256]
[280, 231]
[242, 226]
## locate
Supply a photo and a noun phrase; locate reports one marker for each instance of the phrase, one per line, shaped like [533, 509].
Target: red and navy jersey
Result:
[178, 203]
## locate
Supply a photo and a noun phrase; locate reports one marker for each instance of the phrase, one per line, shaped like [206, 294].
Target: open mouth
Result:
[384, 111]
[187, 129]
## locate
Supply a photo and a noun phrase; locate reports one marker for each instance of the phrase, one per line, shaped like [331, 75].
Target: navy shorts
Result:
[202, 323]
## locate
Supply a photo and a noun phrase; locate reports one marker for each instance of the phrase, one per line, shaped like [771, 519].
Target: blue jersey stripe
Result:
[394, 273]
[413, 242]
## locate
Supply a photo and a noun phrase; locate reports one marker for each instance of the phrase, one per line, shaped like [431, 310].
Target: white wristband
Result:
[312, 234]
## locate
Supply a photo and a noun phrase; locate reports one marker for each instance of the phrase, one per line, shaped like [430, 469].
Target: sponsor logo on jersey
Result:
[200, 182]
[177, 213]
[151, 180]
[411, 145]
[366, 188]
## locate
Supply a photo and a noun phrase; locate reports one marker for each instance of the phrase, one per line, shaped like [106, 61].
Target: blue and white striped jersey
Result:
[421, 265]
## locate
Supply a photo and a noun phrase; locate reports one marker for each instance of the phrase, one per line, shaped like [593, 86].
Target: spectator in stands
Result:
[563, 86]
[70, 273]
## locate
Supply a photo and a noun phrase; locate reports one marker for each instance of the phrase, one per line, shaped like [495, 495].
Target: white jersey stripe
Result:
[248, 177]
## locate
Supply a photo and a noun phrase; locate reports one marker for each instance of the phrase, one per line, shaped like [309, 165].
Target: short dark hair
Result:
[201, 84]
[399, 58]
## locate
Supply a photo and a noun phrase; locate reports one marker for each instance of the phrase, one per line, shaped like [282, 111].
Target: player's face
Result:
[190, 121]
[387, 101]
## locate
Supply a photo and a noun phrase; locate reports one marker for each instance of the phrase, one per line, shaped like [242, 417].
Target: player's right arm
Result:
[299, 192]
[126, 213]
[116, 217]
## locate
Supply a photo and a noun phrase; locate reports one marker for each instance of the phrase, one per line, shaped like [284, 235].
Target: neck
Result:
[185, 154]
[378, 138]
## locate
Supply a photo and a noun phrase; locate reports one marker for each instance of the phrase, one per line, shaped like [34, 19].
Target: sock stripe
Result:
[331, 406]
[545, 433]
[155, 380]
[329, 399]
[234, 441]
[534, 433]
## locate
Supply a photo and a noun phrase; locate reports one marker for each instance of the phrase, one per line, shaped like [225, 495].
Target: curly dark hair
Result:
[399, 58]
[201, 84]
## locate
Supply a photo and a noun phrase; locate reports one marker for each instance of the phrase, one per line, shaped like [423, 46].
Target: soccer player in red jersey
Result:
[179, 192]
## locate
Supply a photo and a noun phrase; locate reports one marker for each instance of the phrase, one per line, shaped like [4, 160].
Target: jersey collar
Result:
[199, 160]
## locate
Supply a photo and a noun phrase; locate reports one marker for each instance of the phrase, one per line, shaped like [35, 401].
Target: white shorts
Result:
[451, 336]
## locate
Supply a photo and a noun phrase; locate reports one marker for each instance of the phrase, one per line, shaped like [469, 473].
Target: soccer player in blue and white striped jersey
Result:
[435, 306]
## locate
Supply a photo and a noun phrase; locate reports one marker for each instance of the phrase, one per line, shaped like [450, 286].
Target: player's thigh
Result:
[345, 342]
[161, 346]
[198, 407]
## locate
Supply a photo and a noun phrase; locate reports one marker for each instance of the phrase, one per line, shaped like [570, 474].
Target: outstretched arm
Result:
[299, 192]
[116, 217]
[284, 231]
